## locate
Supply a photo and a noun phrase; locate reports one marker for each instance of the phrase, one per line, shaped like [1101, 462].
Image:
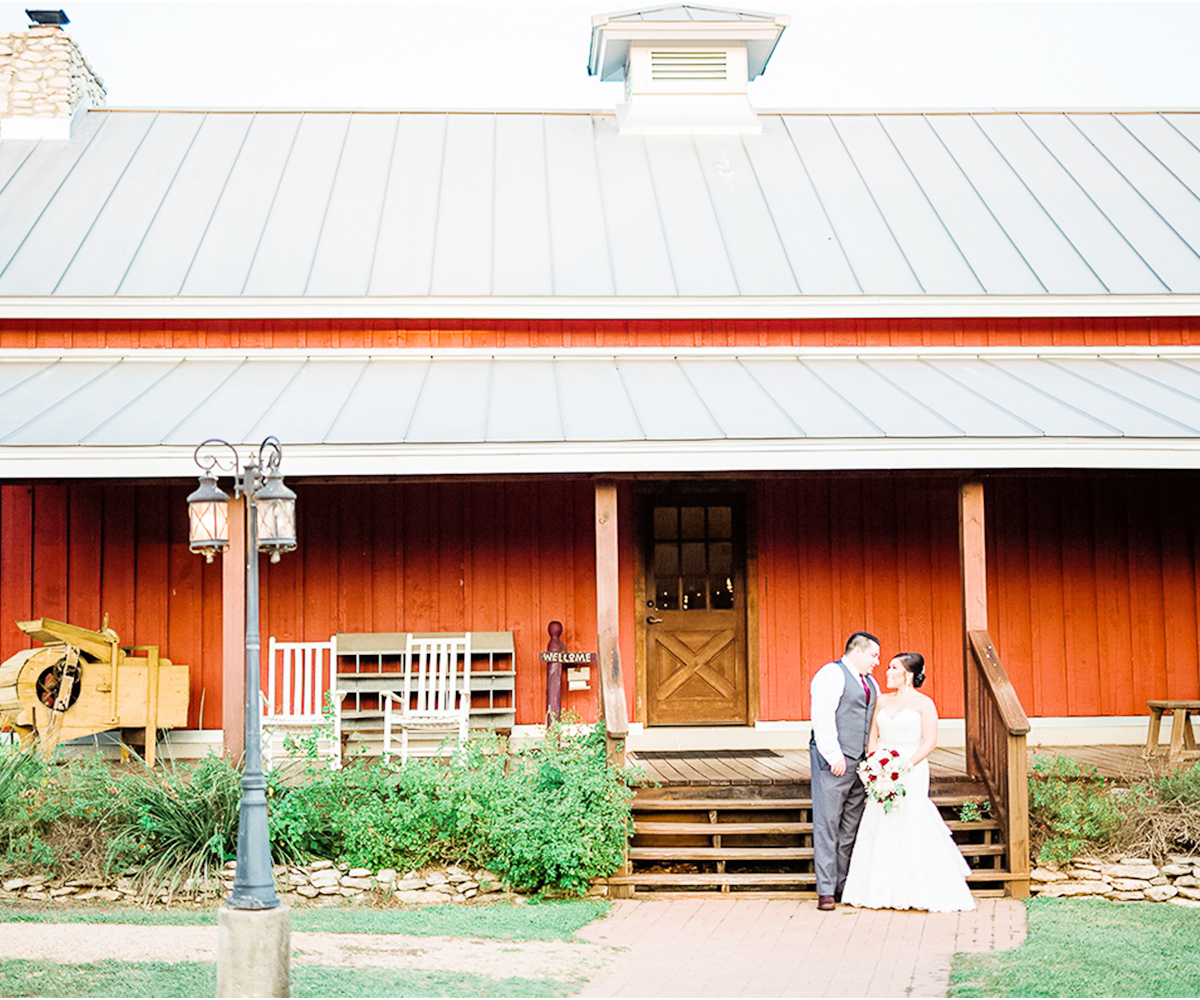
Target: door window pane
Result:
[693, 522]
[666, 560]
[720, 522]
[666, 522]
[720, 558]
[694, 593]
[721, 594]
[693, 559]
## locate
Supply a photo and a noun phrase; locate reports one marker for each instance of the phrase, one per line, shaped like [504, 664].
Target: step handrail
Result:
[995, 736]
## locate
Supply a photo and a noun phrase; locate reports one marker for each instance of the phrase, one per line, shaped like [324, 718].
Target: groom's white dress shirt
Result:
[825, 692]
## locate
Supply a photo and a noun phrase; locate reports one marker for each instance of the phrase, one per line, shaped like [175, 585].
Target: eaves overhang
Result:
[113, 413]
[599, 308]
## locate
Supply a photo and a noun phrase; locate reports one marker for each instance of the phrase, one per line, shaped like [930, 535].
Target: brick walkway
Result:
[787, 948]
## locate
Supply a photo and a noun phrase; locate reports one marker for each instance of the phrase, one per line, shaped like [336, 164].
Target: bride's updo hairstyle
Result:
[914, 663]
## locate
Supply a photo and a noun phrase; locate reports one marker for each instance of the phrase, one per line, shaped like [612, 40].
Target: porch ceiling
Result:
[347, 412]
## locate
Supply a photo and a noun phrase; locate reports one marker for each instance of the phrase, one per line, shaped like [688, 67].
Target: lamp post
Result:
[254, 929]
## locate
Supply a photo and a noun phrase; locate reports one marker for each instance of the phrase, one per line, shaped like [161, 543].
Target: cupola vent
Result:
[685, 68]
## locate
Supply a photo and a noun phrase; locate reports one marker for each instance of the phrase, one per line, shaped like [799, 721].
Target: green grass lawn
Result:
[1091, 948]
[549, 921]
[501, 921]
[26, 978]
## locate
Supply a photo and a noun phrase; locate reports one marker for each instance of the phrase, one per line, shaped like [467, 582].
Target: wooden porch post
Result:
[233, 633]
[974, 597]
[608, 627]
[608, 639]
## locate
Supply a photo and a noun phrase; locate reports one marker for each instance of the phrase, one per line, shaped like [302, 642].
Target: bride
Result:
[906, 859]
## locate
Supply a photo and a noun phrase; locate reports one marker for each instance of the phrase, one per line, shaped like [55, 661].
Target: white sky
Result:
[447, 54]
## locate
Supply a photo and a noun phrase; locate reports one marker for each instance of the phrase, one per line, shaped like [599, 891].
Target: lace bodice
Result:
[901, 731]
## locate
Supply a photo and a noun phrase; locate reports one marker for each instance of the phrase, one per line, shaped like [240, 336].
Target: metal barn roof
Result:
[489, 214]
[341, 412]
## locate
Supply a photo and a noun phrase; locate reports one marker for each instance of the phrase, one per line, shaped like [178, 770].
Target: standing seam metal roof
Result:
[366, 205]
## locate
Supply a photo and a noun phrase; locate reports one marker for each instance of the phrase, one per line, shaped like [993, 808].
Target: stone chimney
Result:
[45, 84]
[685, 67]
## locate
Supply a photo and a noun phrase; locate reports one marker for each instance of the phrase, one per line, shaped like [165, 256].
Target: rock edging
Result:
[1177, 881]
[317, 882]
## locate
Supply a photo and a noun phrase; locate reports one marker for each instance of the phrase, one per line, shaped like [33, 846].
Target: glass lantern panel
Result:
[277, 522]
[208, 523]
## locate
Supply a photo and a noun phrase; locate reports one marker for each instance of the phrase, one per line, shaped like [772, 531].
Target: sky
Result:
[495, 54]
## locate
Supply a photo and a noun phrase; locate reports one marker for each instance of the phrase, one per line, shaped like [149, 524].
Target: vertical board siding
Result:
[428, 557]
[375, 334]
[78, 551]
[841, 554]
[1093, 589]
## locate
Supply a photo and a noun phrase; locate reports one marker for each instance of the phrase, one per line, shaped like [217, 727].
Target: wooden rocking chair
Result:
[435, 699]
[300, 675]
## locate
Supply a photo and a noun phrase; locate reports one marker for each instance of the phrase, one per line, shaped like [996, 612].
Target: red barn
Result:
[773, 361]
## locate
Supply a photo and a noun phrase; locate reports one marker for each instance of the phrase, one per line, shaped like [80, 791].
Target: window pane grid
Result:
[693, 558]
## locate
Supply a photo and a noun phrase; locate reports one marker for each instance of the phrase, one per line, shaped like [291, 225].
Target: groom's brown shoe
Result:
[825, 903]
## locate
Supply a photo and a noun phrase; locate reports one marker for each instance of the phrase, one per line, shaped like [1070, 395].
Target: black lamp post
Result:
[270, 527]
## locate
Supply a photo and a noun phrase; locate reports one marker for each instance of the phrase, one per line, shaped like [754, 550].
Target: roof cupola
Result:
[685, 67]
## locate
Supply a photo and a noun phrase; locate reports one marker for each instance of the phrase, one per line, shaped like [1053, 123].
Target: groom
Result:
[844, 696]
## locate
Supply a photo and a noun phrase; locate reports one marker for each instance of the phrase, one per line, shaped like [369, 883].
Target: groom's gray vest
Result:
[853, 715]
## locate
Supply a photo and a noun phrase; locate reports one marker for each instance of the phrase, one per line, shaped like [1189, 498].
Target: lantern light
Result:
[276, 524]
[208, 516]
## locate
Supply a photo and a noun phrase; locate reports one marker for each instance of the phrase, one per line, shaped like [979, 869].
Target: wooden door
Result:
[696, 613]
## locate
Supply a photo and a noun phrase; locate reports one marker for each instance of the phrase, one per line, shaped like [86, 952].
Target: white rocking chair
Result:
[435, 699]
[300, 675]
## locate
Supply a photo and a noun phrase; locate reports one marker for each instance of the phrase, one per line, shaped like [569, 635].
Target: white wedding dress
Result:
[906, 859]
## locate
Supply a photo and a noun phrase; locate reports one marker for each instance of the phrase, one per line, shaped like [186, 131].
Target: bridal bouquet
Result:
[882, 773]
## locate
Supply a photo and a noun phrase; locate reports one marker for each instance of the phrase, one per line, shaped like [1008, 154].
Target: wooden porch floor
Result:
[790, 767]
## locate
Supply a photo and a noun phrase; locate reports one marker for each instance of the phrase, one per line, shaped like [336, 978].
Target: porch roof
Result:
[497, 215]
[99, 413]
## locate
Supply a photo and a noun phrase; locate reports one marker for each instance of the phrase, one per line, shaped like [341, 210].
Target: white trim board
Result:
[600, 307]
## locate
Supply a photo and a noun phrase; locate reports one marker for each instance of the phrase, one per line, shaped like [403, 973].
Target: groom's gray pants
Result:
[837, 808]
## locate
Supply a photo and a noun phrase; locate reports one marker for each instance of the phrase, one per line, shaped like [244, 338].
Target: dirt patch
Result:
[77, 943]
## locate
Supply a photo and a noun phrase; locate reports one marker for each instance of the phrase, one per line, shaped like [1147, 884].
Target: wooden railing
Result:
[996, 727]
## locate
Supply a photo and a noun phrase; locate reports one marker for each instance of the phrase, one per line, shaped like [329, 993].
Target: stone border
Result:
[1177, 881]
[315, 883]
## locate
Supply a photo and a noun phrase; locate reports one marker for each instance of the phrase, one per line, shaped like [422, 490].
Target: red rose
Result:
[873, 777]
[895, 753]
[895, 776]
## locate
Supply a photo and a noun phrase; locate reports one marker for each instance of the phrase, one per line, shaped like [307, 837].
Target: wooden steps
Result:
[709, 844]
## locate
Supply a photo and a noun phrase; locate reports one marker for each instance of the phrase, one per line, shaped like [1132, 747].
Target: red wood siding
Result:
[1093, 596]
[1092, 587]
[80, 550]
[387, 333]
[444, 556]
[1093, 584]
[839, 554]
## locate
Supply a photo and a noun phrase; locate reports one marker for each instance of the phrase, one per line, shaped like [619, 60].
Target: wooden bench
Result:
[371, 663]
[1183, 739]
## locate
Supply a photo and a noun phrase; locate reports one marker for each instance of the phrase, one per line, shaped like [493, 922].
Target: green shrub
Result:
[1179, 787]
[54, 815]
[1069, 809]
[562, 817]
[549, 815]
[179, 827]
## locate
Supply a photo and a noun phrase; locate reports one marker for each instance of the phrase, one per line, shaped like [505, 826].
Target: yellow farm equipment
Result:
[82, 682]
